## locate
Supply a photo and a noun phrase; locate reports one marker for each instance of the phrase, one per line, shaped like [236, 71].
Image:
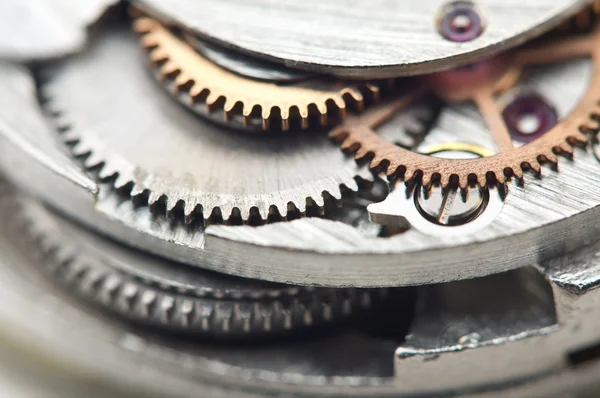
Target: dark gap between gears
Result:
[584, 355]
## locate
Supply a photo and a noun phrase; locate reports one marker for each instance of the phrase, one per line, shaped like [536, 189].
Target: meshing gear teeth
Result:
[207, 83]
[131, 133]
[166, 295]
[357, 133]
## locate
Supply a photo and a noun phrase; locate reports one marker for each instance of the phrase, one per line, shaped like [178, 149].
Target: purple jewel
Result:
[528, 117]
[461, 23]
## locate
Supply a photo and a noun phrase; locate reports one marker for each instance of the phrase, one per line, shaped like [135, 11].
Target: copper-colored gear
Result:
[357, 132]
[584, 20]
[208, 83]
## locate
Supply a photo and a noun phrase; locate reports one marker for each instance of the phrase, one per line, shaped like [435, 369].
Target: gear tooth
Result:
[426, 180]
[187, 313]
[285, 119]
[375, 91]
[149, 42]
[171, 204]
[247, 109]
[121, 181]
[354, 93]
[196, 91]
[266, 116]
[169, 68]
[143, 25]
[189, 208]
[181, 80]
[408, 173]
[347, 144]
[566, 148]
[534, 164]
[318, 200]
[211, 101]
[323, 120]
[166, 309]
[362, 152]
[93, 160]
[137, 190]
[444, 180]
[340, 103]
[500, 178]
[154, 197]
[229, 105]
[106, 172]
[206, 212]
[303, 111]
[579, 137]
[517, 172]
[263, 211]
[226, 211]
[551, 157]
[266, 112]
[351, 185]
[128, 295]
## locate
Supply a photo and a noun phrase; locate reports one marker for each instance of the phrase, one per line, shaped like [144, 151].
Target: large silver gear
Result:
[158, 149]
[166, 295]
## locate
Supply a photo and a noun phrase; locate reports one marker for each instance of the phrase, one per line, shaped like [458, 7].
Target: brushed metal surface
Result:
[544, 218]
[379, 38]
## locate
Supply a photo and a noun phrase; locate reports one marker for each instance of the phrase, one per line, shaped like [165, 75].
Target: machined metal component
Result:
[247, 66]
[375, 39]
[204, 82]
[156, 147]
[162, 294]
[356, 133]
[537, 334]
[546, 219]
[34, 29]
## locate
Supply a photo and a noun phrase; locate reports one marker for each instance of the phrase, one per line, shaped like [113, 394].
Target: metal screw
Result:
[528, 117]
[460, 22]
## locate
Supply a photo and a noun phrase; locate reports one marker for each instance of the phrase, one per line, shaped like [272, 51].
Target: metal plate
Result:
[37, 29]
[546, 217]
[64, 336]
[379, 38]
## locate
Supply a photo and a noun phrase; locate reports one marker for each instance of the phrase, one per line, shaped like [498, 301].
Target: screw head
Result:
[528, 117]
[460, 22]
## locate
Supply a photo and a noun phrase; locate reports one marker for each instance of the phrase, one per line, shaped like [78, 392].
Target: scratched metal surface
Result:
[545, 218]
[360, 39]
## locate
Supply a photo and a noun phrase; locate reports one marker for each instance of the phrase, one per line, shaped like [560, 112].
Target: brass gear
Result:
[356, 133]
[205, 82]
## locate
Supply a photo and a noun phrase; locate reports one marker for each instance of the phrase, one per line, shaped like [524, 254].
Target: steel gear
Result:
[144, 141]
[486, 79]
[205, 82]
[164, 294]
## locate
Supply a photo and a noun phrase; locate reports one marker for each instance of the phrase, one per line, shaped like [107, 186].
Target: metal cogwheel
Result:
[202, 82]
[132, 132]
[517, 148]
[160, 293]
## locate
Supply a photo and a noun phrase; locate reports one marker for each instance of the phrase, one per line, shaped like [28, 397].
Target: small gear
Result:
[204, 82]
[480, 83]
[133, 135]
[168, 295]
